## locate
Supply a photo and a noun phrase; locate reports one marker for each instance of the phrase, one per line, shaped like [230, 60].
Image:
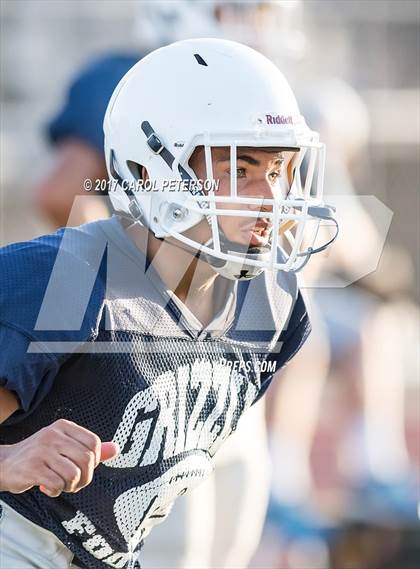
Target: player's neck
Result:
[187, 276]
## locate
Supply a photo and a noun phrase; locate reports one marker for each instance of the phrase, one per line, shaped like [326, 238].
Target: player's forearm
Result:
[4, 453]
[8, 404]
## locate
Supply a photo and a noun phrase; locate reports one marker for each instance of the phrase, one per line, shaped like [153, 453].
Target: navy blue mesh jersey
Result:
[89, 333]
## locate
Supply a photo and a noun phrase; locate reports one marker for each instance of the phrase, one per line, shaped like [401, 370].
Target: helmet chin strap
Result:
[232, 270]
[236, 270]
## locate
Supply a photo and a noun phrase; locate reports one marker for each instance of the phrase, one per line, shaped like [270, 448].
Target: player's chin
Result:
[252, 238]
[244, 240]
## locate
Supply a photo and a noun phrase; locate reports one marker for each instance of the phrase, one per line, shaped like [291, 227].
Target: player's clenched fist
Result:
[59, 458]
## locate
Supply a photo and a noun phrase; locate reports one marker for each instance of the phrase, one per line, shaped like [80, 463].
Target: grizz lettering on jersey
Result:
[121, 359]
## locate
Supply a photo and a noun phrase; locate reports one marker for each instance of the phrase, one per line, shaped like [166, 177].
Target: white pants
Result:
[24, 545]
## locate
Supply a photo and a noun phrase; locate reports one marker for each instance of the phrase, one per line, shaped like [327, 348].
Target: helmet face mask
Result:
[163, 133]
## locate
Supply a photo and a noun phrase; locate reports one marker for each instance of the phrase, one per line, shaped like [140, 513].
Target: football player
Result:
[201, 530]
[131, 347]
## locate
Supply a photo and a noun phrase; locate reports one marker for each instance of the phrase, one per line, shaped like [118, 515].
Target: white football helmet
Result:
[213, 93]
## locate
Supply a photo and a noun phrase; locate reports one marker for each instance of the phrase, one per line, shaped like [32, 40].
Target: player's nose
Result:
[262, 189]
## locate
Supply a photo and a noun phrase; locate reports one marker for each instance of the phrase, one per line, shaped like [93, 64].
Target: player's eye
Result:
[274, 176]
[240, 172]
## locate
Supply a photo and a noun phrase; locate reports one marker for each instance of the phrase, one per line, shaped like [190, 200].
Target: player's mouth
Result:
[257, 234]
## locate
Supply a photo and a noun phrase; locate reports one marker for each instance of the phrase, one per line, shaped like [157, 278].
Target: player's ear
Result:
[197, 160]
[291, 167]
[144, 173]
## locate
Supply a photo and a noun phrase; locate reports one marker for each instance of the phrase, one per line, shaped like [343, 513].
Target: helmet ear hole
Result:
[197, 154]
[137, 170]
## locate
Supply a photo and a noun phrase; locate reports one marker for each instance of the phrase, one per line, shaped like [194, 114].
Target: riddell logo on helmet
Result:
[279, 119]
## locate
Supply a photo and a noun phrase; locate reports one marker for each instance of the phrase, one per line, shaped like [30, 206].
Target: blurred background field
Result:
[343, 422]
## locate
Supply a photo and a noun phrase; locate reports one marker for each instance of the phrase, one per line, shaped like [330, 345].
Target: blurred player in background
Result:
[358, 384]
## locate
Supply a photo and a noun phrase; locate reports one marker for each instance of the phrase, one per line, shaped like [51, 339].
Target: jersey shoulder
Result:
[51, 281]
